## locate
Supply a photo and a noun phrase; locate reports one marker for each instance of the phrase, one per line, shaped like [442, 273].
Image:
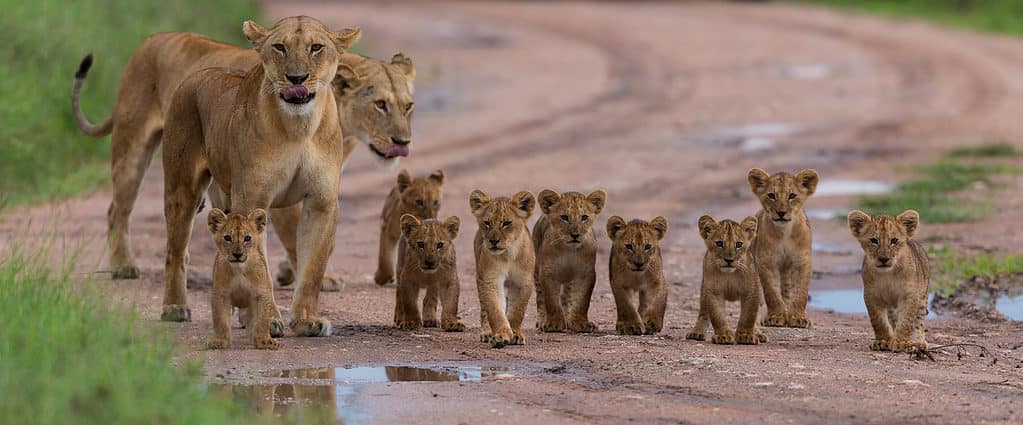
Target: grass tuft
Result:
[952, 268]
[995, 150]
[998, 16]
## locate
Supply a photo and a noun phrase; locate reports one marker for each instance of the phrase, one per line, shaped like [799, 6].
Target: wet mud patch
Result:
[985, 298]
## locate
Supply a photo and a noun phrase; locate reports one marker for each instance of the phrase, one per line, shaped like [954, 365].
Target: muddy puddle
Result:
[991, 307]
[985, 299]
[847, 300]
[832, 187]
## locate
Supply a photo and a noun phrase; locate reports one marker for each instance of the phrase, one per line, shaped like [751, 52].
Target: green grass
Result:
[43, 155]
[998, 16]
[994, 150]
[953, 268]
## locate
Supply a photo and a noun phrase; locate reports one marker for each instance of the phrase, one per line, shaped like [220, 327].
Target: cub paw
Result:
[383, 278]
[696, 336]
[285, 275]
[582, 326]
[798, 321]
[518, 338]
[501, 338]
[409, 325]
[651, 327]
[126, 272]
[774, 320]
[552, 325]
[881, 345]
[726, 337]
[901, 346]
[332, 284]
[276, 328]
[630, 328]
[454, 326]
[761, 337]
[747, 338]
[218, 344]
[311, 327]
[176, 313]
[266, 343]
[431, 323]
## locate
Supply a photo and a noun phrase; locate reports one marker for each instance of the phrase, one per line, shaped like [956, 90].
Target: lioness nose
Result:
[297, 79]
[399, 142]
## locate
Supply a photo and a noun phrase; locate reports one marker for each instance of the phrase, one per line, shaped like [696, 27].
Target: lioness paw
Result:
[761, 337]
[651, 327]
[697, 336]
[218, 344]
[518, 338]
[881, 345]
[747, 338]
[126, 272]
[501, 338]
[176, 313]
[486, 336]
[285, 275]
[311, 327]
[332, 284]
[452, 326]
[553, 325]
[630, 328]
[383, 278]
[774, 320]
[798, 321]
[266, 343]
[582, 326]
[726, 337]
[431, 323]
[408, 325]
[276, 328]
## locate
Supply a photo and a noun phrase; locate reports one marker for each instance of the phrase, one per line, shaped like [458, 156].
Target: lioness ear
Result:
[478, 201]
[346, 78]
[707, 225]
[660, 224]
[254, 32]
[808, 179]
[859, 221]
[258, 216]
[437, 176]
[910, 220]
[346, 38]
[216, 219]
[749, 226]
[524, 204]
[547, 200]
[452, 224]
[409, 223]
[404, 180]
[615, 224]
[758, 180]
[597, 198]
[404, 63]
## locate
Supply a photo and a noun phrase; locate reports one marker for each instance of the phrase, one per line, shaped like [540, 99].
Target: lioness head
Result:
[428, 242]
[375, 101]
[421, 196]
[728, 242]
[237, 235]
[884, 238]
[502, 220]
[637, 242]
[299, 57]
[570, 214]
[782, 195]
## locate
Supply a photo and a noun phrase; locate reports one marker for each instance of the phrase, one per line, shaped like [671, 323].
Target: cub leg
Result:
[518, 301]
[796, 282]
[629, 322]
[770, 280]
[715, 307]
[578, 295]
[430, 303]
[699, 331]
[486, 335]
[909, 325]
[264, 306]
[220, 301]
[553, 315]
[407, 295]
[882, 329]
[746, 331]
[449, 317]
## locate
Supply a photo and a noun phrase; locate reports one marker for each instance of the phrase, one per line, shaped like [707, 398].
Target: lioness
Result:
[635, 267]
[419, 197]
[374, 102]
[783, 246]
[267, 138]
[504, 265]
[241, 279]
[896, 278]
[427, 260]
[729, 274]
[566, 257]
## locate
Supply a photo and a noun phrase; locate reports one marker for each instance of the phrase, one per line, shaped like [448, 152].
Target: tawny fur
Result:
[635, 268]
[896, 278]
[782, 248]
[419, 197]
[427, 261]
[505, 264]
[566, 256]
[729, 274]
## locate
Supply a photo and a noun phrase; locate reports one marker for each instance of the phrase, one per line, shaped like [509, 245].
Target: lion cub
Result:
[566, 256]
[896, 278]
[635, 267]
[427, 260]
[419, 197]
[241, 279]
[729, 274]
[782, 248]
[504, 265]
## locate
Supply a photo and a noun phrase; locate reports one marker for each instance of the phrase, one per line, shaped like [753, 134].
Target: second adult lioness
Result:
[566, 256]
[896, 278]
[635, 268]
[783, 246]
[419, 197]
[267, 138]
[427, 260]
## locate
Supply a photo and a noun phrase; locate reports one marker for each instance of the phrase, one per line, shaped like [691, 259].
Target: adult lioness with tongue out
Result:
[268, 138]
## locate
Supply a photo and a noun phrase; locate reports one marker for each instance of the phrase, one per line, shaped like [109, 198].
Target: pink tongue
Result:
[396, 150]
[295, 92]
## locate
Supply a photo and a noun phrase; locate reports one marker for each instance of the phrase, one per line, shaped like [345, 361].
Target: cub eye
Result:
[564, 218]
[874, 241]
[486, 224]
[436, 205]
[792, 196]
[315, 48]
[419, 203]
[720, 244]
[772, 196]
[647, 247]
[440, 245]
[629, 247]
[585, 218]
[506, 223]
[247, 238]
[381, 105]
[421, 244]
[227, 238]
[738, 244]
[408, 108]
[895, 241]
[279, 47]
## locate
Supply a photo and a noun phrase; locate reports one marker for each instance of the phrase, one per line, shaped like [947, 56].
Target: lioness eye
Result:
[248, 238]
[720, 244]
[382, 105]
[564, 218]
[315, 48]
[279, 47]
[738, 244]
[895, 241]
[506, 223]
[629, 246]
[440, 245]
[647, 247]
[772, 196]
[227, 238]
[585, 218]
[792, 196]
[874, 241]
[419, 203]
[421, 244]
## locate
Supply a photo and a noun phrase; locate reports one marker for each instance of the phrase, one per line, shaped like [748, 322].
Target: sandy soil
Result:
[665, 105]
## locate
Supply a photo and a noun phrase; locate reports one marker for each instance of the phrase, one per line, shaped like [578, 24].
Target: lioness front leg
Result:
[315, 243]
[185, 183]
[387, 253]
[285, 221]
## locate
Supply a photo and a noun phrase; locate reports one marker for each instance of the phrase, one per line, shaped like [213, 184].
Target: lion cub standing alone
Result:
[504, 265]
[427, 260]
[635, 267]
[896, 278]
[729, 274]
[241, 279]
[419, 197]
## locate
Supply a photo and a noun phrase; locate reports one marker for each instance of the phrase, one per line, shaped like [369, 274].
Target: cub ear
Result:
[808, 179]
[660, 224]
[859, 222]
[910, 220]
[404, 63]
[597, 198]
[404, 180]
[346, 78]
[452, 224]
[547, 199]
[478, 201]
[749, 226]
[409, 223]
[258, 216]
[524, 204]
[346, 38]
[254, 32]
[438, 177]
[758, 180]
[615, 225]
[216, 220]
[707, 225]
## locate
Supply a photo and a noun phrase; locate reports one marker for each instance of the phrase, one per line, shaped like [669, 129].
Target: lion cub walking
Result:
[427, 260]
[566, 257]
[419, 197]
[635, 267]
[729, 274]
[241, 279]
[896, 278]
[504, 265]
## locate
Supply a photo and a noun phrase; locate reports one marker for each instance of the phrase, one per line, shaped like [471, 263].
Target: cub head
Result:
[421, 196]
[237, 235]
[728, 242]
[571, 214]
[884, 238]
[374, 99]
[428, 242]
[782, 195]
[637, 242]
[299, 56]
[502, 220]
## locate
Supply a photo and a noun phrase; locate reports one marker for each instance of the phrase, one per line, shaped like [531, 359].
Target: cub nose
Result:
[494, 242]
[729, 262]
[237, 255]
[297, 79]
[781, 214]
[883, 260]
[430, 264]
[399, 142]
[638, 264]
[575, 236]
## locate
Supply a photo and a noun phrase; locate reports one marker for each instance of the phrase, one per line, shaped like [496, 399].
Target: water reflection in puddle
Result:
[379, 374]
[848, 301]
[852, 187]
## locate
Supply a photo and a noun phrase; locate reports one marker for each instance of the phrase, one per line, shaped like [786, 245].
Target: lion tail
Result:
[76, 90]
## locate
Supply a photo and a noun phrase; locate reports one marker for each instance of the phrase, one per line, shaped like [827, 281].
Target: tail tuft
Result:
[83, 69]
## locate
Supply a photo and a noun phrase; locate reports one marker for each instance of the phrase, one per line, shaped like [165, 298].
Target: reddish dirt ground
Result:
[664, 105]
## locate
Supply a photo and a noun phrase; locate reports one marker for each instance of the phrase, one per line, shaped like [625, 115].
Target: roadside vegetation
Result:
[999, 16]
[952, 268]
[43, 156]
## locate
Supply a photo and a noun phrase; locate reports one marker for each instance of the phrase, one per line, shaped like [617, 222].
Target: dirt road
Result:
[665, 106]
